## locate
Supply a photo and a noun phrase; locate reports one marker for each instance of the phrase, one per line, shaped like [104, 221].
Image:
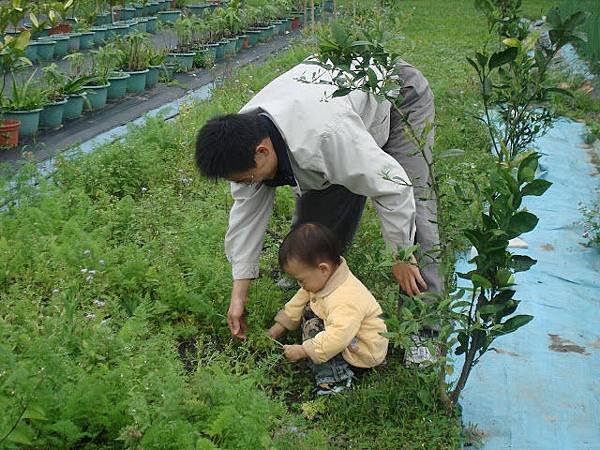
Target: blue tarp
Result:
[541, 388]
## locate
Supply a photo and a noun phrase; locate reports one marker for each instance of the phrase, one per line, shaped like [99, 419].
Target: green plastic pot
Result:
[74, 42]
[141, 24]
[198, 10]
[30, 120]
[139, 10]
[97, 96]
[45, 50]
[152, 76]
[74, 107]
[231, 47]
[239, 43]
[153, 7]
[99, 35]
[117, 86]
[184, 61]
[151, 24]
[126, 13]
[120, 29]
[31, 52]
[52, 115]
[61, 47]
[252, 37]
[137, 81]
[220, 51]
[102, 19]
[168, 16]
[87, 40]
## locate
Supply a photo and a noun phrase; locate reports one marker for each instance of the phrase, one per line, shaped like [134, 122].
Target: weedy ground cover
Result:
[114, 288]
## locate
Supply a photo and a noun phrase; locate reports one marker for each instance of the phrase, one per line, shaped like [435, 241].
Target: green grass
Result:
[115, 287]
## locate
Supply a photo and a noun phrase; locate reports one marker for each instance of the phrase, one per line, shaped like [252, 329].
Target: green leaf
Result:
[503, 57]
[512, 42]
[23, 39]
[481, 59]
[474, 64]
[479, 280]
[553, 17]
[527, 168]
[503, 296]
[514, 323]
[450, 153]
[560, 91]
[575, 19]
[522, 222]
[341, 92]
[521, 263]
[34, 413]
[491, 308]
[22, 434]
[536, 187]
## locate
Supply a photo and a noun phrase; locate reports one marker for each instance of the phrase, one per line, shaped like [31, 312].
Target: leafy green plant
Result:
[135, 51]
[25, 96]
[64, 84]
[349, 57]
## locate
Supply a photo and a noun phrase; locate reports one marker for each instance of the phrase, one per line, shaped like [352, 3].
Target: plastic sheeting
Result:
[541, 388]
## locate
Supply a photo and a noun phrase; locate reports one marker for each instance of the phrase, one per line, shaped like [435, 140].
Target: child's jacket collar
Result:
[336, 280]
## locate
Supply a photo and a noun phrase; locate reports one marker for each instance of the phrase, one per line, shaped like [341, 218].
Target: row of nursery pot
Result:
[204, 54]
[48, 48]
[129, 66]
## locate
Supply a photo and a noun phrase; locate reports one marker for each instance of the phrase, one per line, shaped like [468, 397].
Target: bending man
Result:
[334, 154]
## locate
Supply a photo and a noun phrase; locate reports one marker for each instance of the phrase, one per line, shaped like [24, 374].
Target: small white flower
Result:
[101, 262]
[90, 316]
[92, 272]
[144, 189]
[87, 252]
[99, 303]
[89, 278]
[55, 291]
[84, 270]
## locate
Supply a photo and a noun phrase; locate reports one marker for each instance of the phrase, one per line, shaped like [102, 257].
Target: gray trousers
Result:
[340, 210]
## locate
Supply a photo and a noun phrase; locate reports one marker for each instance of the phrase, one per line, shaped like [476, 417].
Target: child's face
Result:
[311, 279]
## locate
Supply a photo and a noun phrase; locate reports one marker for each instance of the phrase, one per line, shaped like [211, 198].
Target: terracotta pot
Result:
[9, 133]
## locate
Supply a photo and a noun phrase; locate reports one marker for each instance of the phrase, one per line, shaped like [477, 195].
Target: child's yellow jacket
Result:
[349, 311]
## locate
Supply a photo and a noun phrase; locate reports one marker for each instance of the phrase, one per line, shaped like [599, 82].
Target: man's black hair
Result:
[227, 144]
[310, 244]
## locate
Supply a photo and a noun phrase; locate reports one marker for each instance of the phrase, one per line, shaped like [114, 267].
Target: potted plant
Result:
[156, 60]
[73, 86]
[25, 104]
[12, 57]
[105, 61]
[135, 60]
[183, 56]
[52, 114]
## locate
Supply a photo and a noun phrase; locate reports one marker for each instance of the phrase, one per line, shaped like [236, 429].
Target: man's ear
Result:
[263, 148]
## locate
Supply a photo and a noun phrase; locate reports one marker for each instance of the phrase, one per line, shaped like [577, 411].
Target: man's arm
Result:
[248, 220]
[351, 157]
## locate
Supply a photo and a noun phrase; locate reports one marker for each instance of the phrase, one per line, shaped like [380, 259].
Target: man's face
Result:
[265, 168]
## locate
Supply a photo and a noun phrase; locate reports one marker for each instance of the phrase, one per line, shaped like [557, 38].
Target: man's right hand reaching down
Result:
[237, 308]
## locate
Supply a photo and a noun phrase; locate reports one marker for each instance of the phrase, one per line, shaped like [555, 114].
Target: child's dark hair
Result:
[310, 244]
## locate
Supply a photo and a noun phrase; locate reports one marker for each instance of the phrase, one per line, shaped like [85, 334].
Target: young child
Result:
[340, 318]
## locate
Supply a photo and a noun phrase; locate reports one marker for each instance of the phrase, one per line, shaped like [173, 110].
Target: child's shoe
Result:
[332, 388]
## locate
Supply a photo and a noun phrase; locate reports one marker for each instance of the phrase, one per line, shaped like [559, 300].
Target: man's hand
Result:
[294, 352]
[236, 318]
[409, 277]
[236, 313]
[276, 330]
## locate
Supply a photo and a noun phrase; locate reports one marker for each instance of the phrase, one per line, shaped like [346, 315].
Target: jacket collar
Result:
[338, 278]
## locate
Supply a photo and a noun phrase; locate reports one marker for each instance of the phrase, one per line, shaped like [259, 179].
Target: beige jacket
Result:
[349, 311]
[329, 141]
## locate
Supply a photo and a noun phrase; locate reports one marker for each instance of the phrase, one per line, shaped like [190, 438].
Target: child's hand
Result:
[276, 330]
[294, 352]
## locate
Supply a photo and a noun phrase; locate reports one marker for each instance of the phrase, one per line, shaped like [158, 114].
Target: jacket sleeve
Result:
[248, 220]
[291, 314]
[351, 157]
[341, 325]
